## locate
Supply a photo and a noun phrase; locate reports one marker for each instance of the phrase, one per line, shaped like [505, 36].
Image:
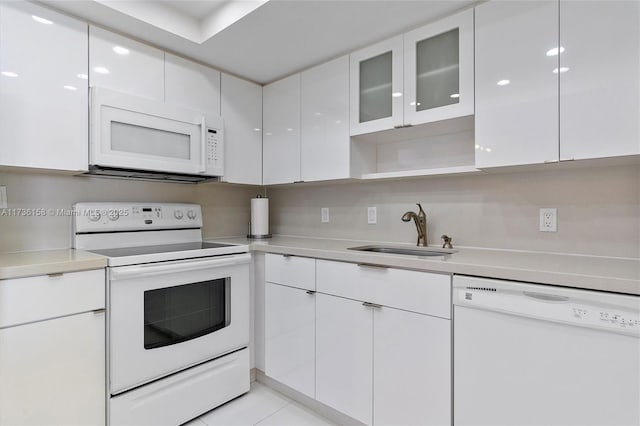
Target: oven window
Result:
[184, 312]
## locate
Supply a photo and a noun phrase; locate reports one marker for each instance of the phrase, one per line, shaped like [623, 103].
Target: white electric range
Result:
[177, 310]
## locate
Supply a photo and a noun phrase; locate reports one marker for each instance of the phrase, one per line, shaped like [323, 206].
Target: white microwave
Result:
[141, 138]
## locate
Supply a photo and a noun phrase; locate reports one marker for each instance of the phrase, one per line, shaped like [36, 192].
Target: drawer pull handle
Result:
[59, 274]
[371, 305]
[371, 265]
[311, 292]
[99, 311]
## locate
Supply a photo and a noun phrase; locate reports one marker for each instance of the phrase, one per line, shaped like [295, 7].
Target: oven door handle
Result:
[139, 271]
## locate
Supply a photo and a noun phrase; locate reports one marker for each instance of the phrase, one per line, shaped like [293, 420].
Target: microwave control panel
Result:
[214, 148]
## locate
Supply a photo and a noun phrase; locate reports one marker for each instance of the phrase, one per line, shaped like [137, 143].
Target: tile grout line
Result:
[272, 414]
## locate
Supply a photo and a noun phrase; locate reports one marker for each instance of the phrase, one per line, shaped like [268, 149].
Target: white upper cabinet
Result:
[376, 87]
[281, 140]
[438, 70]
[121, 64]
[325, 141]
[241, 109]
[516, 111]
[191, 85]
[599, 79]
[43, 88]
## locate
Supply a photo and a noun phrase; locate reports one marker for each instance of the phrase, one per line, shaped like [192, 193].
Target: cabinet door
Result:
[281, 147]
[121, 64]
[438, 70]
[344, 356]
[376, 87]
[191, 85]
[411, 353]
[53, 372]
[290, 337]
[599, 84]
[516, 112]
[241, 109]
[325, 142]
[43, 88]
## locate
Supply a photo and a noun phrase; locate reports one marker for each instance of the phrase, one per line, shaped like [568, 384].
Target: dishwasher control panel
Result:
[582, 308]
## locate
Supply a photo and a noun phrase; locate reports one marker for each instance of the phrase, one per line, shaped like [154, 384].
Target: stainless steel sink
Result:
[401, 250]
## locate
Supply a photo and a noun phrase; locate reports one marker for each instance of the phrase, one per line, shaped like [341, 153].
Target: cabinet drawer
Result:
[299, 272]
[415, 291]
[38, 298]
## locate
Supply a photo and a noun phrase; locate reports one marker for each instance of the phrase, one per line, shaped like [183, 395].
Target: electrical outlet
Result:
[3, 197]
[549, 220]
[324, 215]
[372, 215]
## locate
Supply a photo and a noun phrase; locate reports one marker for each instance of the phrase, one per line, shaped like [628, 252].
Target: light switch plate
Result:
[3, 197]
[324, 214]
[372, 215]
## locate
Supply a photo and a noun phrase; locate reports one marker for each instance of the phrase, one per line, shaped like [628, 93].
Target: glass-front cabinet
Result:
[438, 70]
[418, 77]
[376, 87]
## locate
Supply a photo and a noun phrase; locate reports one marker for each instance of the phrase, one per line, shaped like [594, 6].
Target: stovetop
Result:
[163, 248]
[167, 252]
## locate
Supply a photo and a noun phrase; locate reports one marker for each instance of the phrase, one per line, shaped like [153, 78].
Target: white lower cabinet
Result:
[343, 356]
[53, 372]
[382, 348]
[52, 349]
[290, 337]
[411, 368]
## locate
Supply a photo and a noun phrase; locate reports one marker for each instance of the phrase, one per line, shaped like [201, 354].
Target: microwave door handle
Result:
[203, 145]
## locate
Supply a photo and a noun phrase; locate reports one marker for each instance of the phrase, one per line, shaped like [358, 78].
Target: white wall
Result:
[598, 210]
[225, 207]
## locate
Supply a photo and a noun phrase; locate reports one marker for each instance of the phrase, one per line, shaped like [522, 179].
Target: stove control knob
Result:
[178, 214]
[191, 214]
[94, 216]
[114, 215]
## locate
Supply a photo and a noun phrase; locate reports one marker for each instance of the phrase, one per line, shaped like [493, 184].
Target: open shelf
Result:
[442, 148]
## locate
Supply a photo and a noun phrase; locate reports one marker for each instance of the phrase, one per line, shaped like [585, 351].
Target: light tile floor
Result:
[261, 406]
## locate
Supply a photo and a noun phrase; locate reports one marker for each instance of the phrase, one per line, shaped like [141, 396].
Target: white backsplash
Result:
[225, 207]
[598, 210]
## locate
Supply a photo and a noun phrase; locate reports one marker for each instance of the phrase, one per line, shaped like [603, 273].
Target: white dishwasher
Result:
[529, 354]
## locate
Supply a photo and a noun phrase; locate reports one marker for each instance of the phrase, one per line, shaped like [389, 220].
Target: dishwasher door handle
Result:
[543, 297]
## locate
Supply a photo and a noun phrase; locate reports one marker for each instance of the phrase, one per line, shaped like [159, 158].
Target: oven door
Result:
[166, 316]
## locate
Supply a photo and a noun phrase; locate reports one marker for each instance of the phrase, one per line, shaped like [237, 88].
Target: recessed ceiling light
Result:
[555, 51]
[41, 20]
[561, 70]
[488, 150]
[101, 70]
[289, 129]
[83, 76]
[121, 50]
[268, 134]
[396, 94]
[72, 88]
[503, 82]
[454, 95]
[9, 74]
[256, 129]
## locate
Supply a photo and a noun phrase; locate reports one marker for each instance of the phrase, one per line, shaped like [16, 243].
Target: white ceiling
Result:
[276, 39]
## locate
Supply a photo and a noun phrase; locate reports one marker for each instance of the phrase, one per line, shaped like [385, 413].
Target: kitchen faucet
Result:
[421, 224]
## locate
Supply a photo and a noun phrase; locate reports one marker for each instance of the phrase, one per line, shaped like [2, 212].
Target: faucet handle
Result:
[447, 241]
[420, 209]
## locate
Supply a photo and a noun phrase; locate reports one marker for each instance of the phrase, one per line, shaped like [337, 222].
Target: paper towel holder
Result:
[254, 236]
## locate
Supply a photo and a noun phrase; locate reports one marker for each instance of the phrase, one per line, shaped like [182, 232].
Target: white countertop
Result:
[31, 263]
[620, 275]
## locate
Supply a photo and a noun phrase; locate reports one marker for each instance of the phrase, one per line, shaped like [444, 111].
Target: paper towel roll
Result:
[259, 217]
